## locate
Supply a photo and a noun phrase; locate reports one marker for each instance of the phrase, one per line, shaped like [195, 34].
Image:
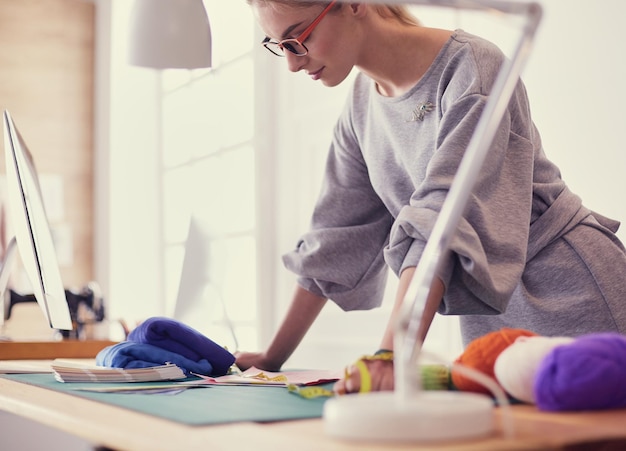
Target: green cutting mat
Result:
[197, 406]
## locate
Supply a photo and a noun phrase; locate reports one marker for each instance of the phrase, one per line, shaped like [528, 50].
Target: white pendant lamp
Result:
[170, 34]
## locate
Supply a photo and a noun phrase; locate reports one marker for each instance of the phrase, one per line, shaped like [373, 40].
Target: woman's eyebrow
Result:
[289, 29]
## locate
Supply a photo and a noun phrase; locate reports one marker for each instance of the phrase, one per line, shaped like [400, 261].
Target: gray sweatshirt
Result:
[527, 253]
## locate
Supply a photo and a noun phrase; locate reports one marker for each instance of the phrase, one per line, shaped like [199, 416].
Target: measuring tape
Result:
[307, 392]
[433, 377]
[310, 392]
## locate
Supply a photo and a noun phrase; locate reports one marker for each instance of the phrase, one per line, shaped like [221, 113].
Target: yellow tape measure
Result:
[310, 391]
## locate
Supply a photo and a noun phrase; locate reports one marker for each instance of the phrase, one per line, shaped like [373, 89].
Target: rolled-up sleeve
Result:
[488, 251]
[341, 257]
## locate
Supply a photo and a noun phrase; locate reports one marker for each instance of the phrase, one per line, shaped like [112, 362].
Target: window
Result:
[208, 172]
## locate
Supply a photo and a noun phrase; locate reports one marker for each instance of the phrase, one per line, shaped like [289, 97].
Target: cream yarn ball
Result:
[516, 366]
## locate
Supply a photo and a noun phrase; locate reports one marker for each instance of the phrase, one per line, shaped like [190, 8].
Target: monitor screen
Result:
[199, 293]
[32, 232]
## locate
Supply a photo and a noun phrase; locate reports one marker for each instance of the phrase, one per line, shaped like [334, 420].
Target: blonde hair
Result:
[399, 13]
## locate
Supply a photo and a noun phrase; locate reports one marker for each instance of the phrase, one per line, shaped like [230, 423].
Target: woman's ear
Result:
[358, 9]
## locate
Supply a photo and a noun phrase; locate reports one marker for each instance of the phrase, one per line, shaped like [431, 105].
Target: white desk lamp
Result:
[408, 414]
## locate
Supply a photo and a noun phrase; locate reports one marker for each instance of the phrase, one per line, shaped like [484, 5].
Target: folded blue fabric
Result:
[128, 354]
[174, 336]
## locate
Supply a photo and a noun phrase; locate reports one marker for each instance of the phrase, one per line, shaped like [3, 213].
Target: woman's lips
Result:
[317, 74]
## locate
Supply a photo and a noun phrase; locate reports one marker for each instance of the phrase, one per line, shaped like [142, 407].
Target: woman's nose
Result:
[294, 62]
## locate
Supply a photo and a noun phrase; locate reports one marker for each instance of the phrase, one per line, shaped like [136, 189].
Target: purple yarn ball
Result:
[587, 374]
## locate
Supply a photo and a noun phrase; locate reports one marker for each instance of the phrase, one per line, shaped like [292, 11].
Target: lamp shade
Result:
[168, 34]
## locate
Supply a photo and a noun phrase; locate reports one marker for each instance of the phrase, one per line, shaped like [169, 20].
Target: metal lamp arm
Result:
[406, 342]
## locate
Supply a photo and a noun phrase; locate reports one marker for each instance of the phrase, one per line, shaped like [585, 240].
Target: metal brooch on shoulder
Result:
[420, 111]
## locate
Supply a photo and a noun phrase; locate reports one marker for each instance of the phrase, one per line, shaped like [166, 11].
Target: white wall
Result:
[127, 162]
[575, 80]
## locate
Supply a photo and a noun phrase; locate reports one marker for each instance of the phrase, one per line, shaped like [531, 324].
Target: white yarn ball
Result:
[516, 366]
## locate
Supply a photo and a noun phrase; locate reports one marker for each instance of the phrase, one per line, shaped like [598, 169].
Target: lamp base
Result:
[428, 417]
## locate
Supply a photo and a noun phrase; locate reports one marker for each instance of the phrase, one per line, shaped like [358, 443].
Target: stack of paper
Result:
[68, 372]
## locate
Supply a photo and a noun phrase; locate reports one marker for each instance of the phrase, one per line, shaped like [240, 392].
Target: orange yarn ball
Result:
[481, 355]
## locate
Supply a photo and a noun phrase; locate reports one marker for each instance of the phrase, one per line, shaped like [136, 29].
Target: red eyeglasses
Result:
[295, 46]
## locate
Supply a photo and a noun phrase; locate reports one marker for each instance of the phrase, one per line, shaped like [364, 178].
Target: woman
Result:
[527, 254]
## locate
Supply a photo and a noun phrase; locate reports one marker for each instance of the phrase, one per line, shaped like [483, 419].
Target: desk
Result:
[122, 429]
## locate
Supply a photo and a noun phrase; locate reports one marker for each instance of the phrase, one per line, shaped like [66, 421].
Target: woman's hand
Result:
[305, 307]
[245, 360]
[367, 374]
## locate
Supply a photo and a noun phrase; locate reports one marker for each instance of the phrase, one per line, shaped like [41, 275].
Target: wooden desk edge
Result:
[49, 350]
[112, 426]
[120, 428]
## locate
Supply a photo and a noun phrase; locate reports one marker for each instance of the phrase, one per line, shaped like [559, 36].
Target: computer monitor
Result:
[33, 237]
[199, 289]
